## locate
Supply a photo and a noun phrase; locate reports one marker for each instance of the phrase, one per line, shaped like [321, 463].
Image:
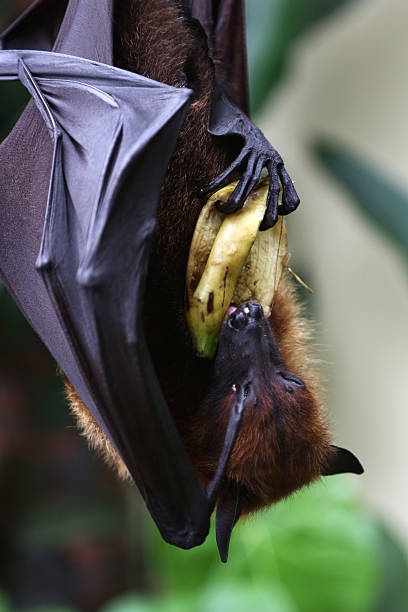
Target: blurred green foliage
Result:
[272, 28]
[384, 202]
[4, 603]
[318, 551]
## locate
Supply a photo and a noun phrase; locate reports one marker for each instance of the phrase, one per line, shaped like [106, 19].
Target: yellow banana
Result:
[231, 262]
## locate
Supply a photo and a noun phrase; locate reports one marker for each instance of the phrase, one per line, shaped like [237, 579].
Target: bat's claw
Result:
[257, 153]
[254, 160]
[279, 179]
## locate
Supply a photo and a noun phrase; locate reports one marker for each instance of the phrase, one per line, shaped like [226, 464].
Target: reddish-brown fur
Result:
[284, 439]
[153, 39]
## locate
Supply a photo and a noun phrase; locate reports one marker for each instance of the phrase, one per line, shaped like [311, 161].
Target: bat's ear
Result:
[342, 461]
[228, 512]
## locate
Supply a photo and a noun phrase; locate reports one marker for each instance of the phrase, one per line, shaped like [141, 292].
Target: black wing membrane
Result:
[80, 180]
[112, 135]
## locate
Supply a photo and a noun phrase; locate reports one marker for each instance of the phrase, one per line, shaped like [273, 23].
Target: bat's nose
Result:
[245, 314]
[238, 320]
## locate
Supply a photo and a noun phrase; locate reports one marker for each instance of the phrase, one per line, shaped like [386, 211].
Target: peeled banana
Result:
[231, 262]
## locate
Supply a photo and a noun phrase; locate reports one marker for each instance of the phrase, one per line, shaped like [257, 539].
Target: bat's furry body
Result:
[154, 39]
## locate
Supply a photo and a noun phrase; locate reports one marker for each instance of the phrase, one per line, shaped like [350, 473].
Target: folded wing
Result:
[80, 180]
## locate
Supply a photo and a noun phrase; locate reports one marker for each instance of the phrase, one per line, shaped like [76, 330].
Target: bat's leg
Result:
[234, 425]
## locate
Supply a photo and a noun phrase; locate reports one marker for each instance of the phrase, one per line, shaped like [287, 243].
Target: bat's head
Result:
[284, 440]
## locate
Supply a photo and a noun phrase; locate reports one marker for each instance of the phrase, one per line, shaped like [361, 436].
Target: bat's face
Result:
[284, 441]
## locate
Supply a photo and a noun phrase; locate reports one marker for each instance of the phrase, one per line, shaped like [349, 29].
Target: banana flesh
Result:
[231, 262]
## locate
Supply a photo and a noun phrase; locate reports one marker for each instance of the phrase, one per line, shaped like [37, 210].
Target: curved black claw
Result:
[257, 153]
[290, 199]
[260, 154]
[242, 190]
[254, 162]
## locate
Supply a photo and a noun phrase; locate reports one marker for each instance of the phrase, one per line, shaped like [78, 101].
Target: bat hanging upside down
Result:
[284, 440]
[102, 279]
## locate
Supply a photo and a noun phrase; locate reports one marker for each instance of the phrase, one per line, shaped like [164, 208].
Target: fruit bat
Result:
[138, 109]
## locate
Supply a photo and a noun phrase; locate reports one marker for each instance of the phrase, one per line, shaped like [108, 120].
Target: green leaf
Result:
[384, 202]
[272, 27]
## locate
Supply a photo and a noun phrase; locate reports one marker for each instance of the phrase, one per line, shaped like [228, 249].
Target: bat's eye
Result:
[291, 381]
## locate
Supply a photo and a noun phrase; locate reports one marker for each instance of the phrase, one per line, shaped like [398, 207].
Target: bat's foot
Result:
[257, 153]
[252, 161]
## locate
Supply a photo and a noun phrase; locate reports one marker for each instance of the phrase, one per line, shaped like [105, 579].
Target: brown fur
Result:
[284, 439]
[153, 39]
[90, 429]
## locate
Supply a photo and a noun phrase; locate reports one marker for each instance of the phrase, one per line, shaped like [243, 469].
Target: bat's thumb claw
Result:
[228, 512]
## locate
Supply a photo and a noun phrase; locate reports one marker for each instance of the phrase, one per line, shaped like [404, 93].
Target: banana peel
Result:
[231, 262]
